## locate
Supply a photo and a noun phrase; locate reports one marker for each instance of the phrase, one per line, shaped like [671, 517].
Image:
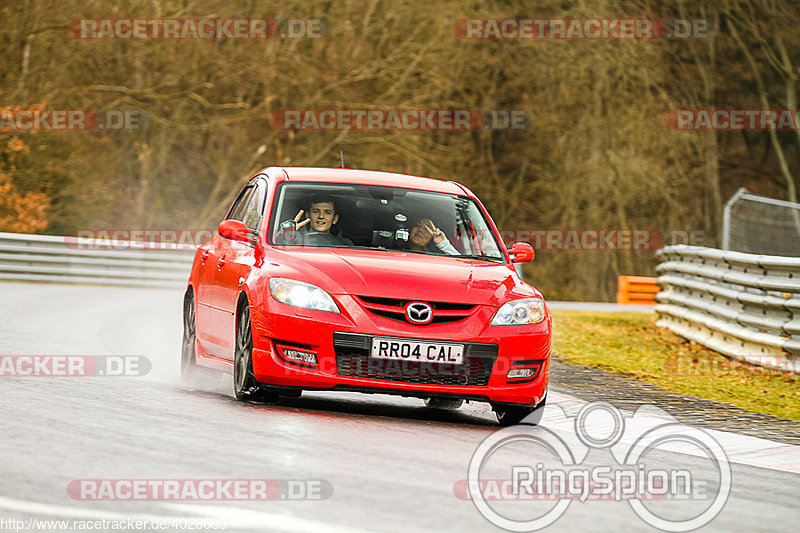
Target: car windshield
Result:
[381, 218]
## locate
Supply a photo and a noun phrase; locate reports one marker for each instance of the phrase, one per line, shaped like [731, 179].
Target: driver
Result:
[322, 216]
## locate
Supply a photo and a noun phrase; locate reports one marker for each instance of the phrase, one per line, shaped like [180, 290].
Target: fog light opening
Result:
[307, 358]
[518, 375]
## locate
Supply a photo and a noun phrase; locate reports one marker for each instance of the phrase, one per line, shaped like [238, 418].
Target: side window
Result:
[239, 206]
[252, 214]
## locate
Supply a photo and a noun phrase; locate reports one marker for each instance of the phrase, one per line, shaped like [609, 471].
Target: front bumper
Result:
[341, 344]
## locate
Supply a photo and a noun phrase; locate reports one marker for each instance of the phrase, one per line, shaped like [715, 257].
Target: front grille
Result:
[353, 359]
[395, 302]
[394, 308]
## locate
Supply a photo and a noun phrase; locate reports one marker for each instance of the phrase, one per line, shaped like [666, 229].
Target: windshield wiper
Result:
[479, 256]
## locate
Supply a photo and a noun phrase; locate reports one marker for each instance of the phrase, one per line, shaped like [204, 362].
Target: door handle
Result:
[221, 263]
[203, 256]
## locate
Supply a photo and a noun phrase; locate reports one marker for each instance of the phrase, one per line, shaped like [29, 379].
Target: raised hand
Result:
[297, 225]
[297, 219]
[438, 235]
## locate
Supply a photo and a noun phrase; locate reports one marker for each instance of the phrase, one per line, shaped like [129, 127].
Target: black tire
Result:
[245, 386]
[444, 403]
[512, 415]
[189, 368]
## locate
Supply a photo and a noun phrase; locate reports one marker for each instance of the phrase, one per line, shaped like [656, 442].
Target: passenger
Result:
[322, 216]
[424, 232]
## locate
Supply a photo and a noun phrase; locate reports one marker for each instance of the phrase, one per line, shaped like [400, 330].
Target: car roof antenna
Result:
[341, 154]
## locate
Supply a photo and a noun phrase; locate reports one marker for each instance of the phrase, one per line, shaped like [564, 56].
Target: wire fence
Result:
[759, 225]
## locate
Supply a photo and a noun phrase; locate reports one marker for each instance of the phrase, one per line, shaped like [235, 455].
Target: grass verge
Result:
[630, 344]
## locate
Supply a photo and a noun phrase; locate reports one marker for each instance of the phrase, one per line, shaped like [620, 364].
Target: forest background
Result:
[597, 153]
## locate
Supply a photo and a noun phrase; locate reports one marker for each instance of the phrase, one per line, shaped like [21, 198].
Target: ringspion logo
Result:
[540, 472]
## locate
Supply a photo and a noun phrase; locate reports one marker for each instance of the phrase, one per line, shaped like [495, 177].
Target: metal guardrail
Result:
[743, 305]
[746, 306]
[46, 258]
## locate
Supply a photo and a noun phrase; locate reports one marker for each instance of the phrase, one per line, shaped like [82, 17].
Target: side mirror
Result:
[521, 252]
[237, 231]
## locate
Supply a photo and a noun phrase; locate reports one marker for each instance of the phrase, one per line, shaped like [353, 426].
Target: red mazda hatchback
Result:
[356, 280]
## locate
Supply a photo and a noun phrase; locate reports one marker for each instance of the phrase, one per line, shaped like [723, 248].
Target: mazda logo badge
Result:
[419, 313]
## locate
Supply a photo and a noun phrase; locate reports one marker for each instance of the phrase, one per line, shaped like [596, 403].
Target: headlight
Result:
[527, 311]
[301, 294]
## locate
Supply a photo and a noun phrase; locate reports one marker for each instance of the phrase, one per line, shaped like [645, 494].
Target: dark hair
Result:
[322, 198]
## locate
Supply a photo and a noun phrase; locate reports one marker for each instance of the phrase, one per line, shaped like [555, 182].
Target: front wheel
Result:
[189, 367]
[245, 386]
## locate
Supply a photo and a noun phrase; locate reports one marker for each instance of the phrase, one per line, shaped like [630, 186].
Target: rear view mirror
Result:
[521, 252]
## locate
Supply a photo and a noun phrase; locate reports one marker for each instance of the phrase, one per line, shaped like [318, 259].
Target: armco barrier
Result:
[46, 258]
[636, 290]
[746, 306]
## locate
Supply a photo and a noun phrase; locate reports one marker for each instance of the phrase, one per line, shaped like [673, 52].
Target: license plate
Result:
[424, 352]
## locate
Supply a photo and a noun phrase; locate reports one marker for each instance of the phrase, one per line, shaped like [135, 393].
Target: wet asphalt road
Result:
[385, 463]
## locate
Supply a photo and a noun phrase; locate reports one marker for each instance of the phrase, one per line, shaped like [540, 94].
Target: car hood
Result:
[401, 275]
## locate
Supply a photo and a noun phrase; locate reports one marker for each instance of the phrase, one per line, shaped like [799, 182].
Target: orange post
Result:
[636, 290]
